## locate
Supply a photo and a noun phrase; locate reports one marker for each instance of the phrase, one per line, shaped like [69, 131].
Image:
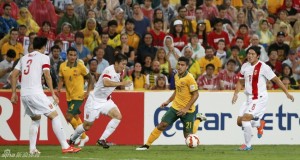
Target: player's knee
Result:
[162, 126]
[247, 117]
[119, 116]
[86, 126]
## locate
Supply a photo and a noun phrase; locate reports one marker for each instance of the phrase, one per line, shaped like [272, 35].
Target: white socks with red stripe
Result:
[247, 132]
[59, 132]
[33, 131]
[110, 128]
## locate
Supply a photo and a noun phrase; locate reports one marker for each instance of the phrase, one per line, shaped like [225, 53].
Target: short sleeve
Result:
[192, 84]
[106, 74]
[242, 72]
[46, 63]
[84, 70]
[268, 73]
[18, 66]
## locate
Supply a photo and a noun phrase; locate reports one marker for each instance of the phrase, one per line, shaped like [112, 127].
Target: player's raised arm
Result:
[281, 85]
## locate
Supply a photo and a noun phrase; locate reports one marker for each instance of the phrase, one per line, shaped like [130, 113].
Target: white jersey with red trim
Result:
[31, 67]
[101, 93]
[256, 77]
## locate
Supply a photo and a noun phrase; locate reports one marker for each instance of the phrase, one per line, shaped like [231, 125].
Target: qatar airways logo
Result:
[219, 121]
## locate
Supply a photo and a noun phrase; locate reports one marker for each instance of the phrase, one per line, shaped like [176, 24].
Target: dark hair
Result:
[79, 35]
[120, 57]
[91, 60]
[241, 38]
[270, 50]
[243, 25]
[22, 25]
[11, 53]
[221, 40]
[31, 34]
[209, 47]
[39, 42]
[46, 22]
[158, 20]
[71, 49]
[129, 20]
[13, 30]
[173, 30]
[184, 59]
[204, 35]
[55, 47]
[112, 23]
[218, 20]
[221, 8]
[96, 49]
[235, 47]
[255, 48]
[231, 61]
[180, 8]
[58, 41]
[154, 13]
[210, 65]
[6, 5]
[290, 68]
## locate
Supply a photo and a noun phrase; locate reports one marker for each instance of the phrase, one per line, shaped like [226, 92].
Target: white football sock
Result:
[33, 132]
[110, 128]
[59, 132]
[247, 132]
[255, 123]
[78, 131]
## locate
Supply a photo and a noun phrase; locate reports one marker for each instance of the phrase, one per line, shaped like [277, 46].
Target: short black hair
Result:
[79, 35]
[255, 48]
[112, 23]
[71, 49]
[120, 57]
[55, 47]
[91, 60]
[39, 42]
[6, 5]
[184, 59]
[158, 20]
[209, 47]
[270, 51]
[46, 22]
[11, 53]
[210, 65]
[96, 49]
[22, 26]
[129, 20]
[235, 47]
[231, 61]
[13, 30]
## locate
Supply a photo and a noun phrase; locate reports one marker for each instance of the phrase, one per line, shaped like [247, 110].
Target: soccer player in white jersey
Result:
[31, 67]
[254, 74]
[100, 102]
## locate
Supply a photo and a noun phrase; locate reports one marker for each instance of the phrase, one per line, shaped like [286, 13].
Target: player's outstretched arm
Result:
[14, 77]
[281, 85]
[49, 83]
[108, 83]
[237, 90]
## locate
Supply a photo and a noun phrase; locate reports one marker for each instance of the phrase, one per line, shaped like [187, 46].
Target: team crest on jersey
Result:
[50, 106]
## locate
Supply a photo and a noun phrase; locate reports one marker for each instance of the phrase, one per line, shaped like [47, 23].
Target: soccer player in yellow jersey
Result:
[183, 107]
[72, 73]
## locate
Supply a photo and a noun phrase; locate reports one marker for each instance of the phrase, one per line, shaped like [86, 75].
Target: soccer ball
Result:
[192, 141]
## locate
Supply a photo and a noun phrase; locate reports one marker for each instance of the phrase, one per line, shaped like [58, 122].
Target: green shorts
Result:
[188, 120]
[73, 107]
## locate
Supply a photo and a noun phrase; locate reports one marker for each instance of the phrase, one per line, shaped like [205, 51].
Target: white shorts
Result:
[255, 107]
[37, 104]
[93, 109]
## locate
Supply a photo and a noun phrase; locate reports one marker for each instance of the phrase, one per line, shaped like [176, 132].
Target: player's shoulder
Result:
[109, 70]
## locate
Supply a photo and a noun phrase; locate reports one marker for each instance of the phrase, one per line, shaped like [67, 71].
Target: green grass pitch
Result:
[172, 152]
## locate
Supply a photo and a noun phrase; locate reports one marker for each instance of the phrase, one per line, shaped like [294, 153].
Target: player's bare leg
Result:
[33, 132]
[59, 132]
[116, 116]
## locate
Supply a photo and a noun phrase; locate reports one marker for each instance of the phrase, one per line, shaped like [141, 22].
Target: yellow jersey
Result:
[184, 86]
[18, 48]
[73, 78]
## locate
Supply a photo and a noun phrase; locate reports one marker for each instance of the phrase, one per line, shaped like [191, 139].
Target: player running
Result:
[254, 74]
[31, 67]
[183, 107]
[100, 102]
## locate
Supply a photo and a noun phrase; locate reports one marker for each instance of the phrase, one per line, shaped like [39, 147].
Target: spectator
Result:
[83, 52]
[82, 10]
[137, 77]
[264, 33]
[218, 34]
[273, 7]
[146, 67]
[243, 33]
[43, 10]
[127, 8]
[69, 17]
[6, 21]
[126, 49]
[93, 65]
[92, 14]
[112, 5]
[177, 32]
[31, 36]
[114, 37]
[279, 45]
[194, 67]
[157, 33]
[288, 72]
[146, 48]
[241, 19]
[223, 16]
[202, 33]
[168, 11]
[282, 17]
[103, 15]
[286, 82]
[209, 9]
[231, 10]
[191, 8]
[147, 9]
[255, 42]
[161, 83]
[152, 77]
[250, 11]
[259, 15]
[165, 66]
[242, 54]
[200, 19]
[158, 14]
[91, 36]
[63, 49]
[98, 54]
[67, 33]
[293, 62]
[14, 8]
[187, 27]
[133, 37]
[55, 61]
[270, 85]
[273, 62]
[22, 33]
[108, 50]
[288, 39]
[227, 77]
[234, 55]
[209, 58]
[119, 17]
[198, 50]
[25, 18]
[45, 31]
[141, 23]
[13, 44]
[172, 52]
[208, 81]
[6, 66]
[221, 52]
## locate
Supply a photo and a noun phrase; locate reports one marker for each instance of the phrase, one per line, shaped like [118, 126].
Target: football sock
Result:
[247, 132]
[110, 128]
[255, 123]
[196, 125]
[33, 132]
[78, 131]
[153, 136]
[79, 122]
[74, 123]
[59, 132]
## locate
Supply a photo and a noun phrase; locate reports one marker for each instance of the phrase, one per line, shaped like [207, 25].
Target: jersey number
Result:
[27, 70]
